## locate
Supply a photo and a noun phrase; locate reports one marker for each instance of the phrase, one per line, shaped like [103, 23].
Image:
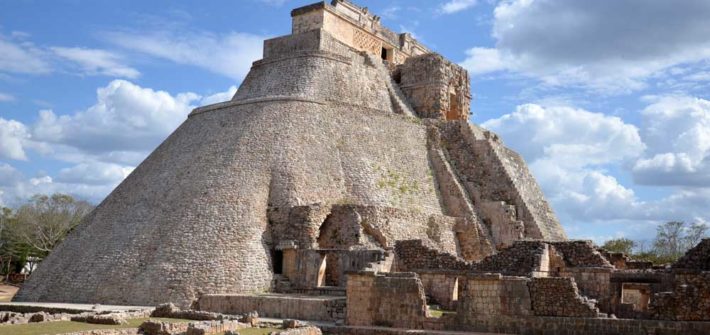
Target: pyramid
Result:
[345, 136]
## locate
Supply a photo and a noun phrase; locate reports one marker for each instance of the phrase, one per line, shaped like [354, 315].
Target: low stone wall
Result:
[581, 253]
[559, 297]
[391, 300]
[593, 283]
[492, 295]
[316, 308]
[416, 255]
[521, 259]
[129, 331]
[535, 325]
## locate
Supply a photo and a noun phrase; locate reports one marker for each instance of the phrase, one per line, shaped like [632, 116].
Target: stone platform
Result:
[292, 306]
[33, 307]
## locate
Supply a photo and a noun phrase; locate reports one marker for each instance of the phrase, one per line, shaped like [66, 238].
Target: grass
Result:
[257, 331]
[60, 327]
[437, 313]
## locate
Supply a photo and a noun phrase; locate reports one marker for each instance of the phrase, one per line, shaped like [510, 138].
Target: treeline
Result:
[29, 232]
[672, 241]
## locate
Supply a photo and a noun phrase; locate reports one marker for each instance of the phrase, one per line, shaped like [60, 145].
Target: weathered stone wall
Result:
[522, 259]
[491, 172]
[356, 27]
[392, 300]
[442, 287]
[436, 87]
[689, 300]
[697, 258]
[360, 227]
[413, 255]
[593, 283]
[317, 308]
[559, 297]
[534, 325]
[493, 295]
[581, 253]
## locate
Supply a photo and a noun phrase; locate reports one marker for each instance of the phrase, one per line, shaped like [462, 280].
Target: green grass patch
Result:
[257, 331]
[437, 313]
[60, 327]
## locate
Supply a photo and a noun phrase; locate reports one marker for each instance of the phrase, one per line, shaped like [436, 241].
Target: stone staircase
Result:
[282, 284]
[399, 101]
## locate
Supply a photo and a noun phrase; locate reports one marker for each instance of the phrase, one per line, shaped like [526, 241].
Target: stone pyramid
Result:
[345, 136]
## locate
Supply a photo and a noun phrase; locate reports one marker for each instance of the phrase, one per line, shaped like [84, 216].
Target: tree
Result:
[623, 245]
[44, 222]
[672, 240]
[669, 239]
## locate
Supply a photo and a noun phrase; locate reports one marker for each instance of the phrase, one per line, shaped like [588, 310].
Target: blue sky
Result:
[608, 101]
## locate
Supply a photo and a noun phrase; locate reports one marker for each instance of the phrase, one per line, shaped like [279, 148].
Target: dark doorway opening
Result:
[384, 54]
[277, 260]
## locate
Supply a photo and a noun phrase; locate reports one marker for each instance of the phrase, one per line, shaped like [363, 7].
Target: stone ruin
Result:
[343, 182]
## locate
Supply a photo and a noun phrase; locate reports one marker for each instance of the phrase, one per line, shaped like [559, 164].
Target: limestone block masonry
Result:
[322, 131]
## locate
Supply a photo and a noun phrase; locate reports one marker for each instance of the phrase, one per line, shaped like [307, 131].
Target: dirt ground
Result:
[7, 292]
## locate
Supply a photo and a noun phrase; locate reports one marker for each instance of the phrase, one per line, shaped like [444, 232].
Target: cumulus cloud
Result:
[576, 154]
[13, 138]
[605, 45]
[19, 56]
[125, 117]
[567, 149]
[483, 60]
[220, 97]
[101, 144]
[677, 130]
[228, 54]
[94, 173]
[96, 62]
[454, 6]
[573, 136]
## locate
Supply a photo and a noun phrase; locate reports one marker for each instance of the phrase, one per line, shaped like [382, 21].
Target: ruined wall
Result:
[697, 258]
[391, 300]
[276, 306]
[522, 259]
[441, 287]
[534, 325]
[492, 296]
[559, 297]
[436, 87]
[361, 227]
[415, 255]
[689, 300]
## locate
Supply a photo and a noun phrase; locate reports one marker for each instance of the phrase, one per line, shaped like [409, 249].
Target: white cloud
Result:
[219, 97]
[454, 6]
[483, 60]
[575, 136]
[575, 156]
[94, 173]
[125, 117]
[4, 97]
[13, 139]
[17, 56]
[97, 62]
[677, 131]
[566, 148]
[102, 143]
[228, 54]
[611, 46]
